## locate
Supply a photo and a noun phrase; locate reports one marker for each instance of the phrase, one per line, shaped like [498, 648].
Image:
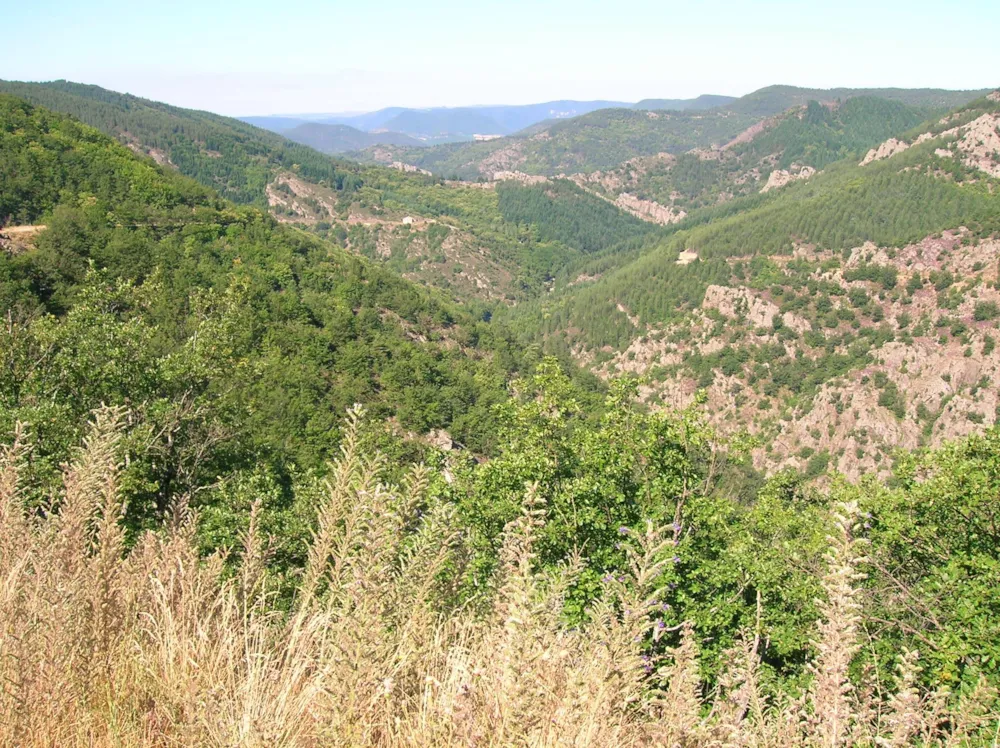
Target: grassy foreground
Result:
[100, 645]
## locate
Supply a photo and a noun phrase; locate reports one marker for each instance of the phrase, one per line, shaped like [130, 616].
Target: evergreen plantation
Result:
[274, 478]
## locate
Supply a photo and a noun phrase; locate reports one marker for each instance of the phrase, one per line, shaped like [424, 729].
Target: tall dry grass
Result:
[156, 646]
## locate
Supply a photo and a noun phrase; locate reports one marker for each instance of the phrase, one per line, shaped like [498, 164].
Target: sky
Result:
[254, 57]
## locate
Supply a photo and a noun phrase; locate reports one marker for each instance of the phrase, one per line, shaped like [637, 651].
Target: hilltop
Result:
[341, 138]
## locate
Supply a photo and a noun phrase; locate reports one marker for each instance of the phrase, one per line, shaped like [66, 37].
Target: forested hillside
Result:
[239, 341]
[341, 138]
[607, 138]
[203, 540]
[766, 156]
[450, 236]
[236, 159]
[838, 318]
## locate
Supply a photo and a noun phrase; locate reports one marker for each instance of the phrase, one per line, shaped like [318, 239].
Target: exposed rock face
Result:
[781, 177]
[751, 132]
[518, 176]
[296, 201]
[623, 176]
[888, 149]
[649, 210]
[408, 168]
[979, 141]
[441, 439]
[740, 303]
[995, 96]
[503, 159]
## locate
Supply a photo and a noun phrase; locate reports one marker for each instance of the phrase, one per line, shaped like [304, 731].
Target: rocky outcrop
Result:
[888, 149]
[410, 168]
[518, 176]
[750, 133]
[781, 177]
[503, 159]
[16, 239]
[979, 143]
[740, 303]
[649, 210]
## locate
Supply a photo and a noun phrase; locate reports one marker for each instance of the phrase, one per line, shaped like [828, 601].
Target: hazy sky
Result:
[255, 57]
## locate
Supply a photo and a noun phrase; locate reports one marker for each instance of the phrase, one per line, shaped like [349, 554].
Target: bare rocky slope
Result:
[845, 315]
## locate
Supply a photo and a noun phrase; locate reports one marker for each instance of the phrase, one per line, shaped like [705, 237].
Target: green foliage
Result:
[236, 159]
[562, 212]
[884, 275]
[240, 341]
[935, 540]
[985, 310]
[602, 139]
[891, 203]
[820, 134]
[235, 344]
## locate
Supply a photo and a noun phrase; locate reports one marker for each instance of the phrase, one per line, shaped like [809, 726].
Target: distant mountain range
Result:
[444, 124]
[607, 138]
[341, 138]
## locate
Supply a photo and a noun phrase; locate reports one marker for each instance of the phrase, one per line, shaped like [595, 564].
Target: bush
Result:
[985, 310]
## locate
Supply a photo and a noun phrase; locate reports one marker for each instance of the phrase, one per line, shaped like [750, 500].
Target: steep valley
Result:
[835, 320]
[780, 268]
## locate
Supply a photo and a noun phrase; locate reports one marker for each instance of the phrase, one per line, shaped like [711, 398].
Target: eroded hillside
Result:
[836, 320]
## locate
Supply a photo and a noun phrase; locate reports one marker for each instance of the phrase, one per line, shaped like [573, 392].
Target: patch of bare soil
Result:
[16, 239]
[751, 132]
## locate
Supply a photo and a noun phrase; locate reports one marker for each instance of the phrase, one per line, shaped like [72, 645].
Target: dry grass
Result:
[160, 647]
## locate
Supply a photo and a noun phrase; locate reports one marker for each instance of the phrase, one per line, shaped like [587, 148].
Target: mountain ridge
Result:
[464, 122]
[605, 138]
[342, 138]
